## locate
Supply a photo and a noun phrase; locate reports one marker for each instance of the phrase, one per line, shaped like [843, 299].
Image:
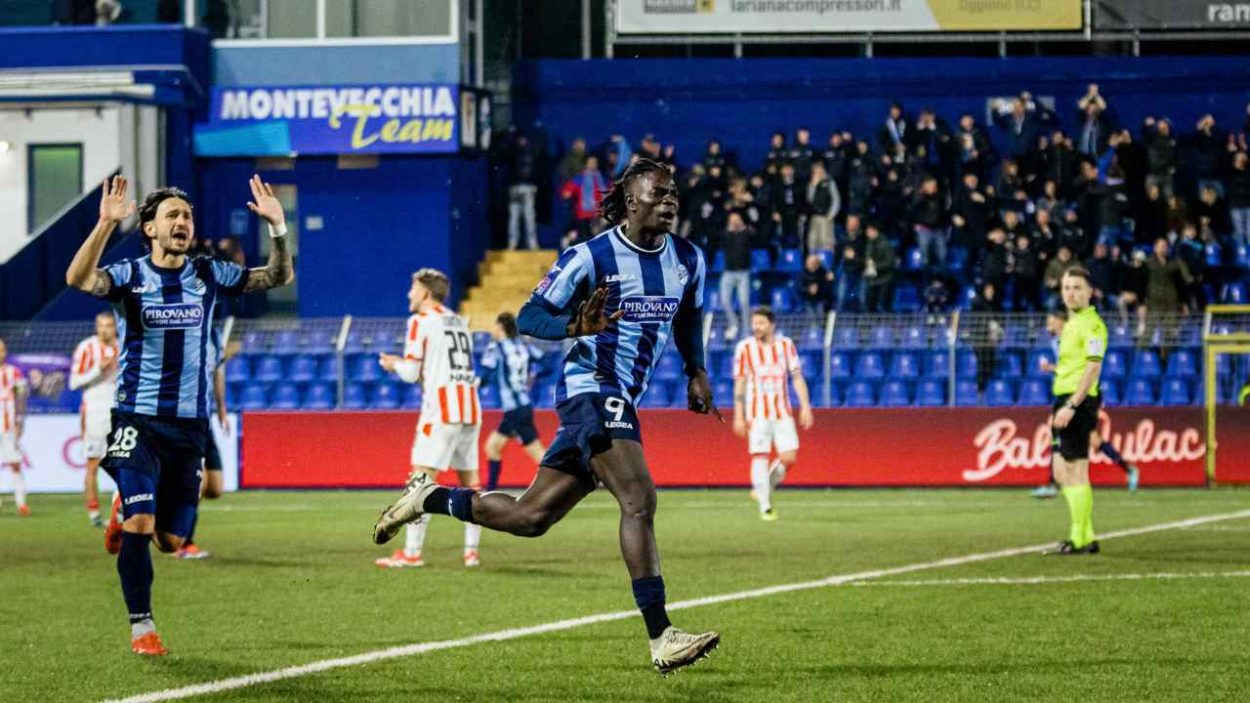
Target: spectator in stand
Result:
[1112, 185]
[1026, 276]
[1102, 276]
[801, 154]
[971, 214]
[1087, 205]
[574, 161]
[1023, 121]
[1131, 157]
[714, 157]
[1167, 282]
[1046, 237]
[850, 267]
[735, 282]
[836, 158]
[762, 197]
[1054, 274]
[861, 179]
[892, 135]
[1050, 200]
[823, 205]
[584, 192]
[1213, 214]
[522, 192]
[996, 259]
[1239, 196]
[986, 332]
[650, 148]
[778, 154]
[741, 200]
[890, 199]
[880, 260]
[1152, 216]
[789, 204]
[1191, 252]
[975, 151]
[1095, 127]
[1160, 153]
[619, 156]
[929, 219]
[1133, 278]
[815, 286]
[1013, 225]
[931, 144]
[1205, 153]
[1061, 164]
[937, 298]
[1012, 193]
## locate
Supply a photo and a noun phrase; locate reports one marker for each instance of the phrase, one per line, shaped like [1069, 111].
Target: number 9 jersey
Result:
[438, 352]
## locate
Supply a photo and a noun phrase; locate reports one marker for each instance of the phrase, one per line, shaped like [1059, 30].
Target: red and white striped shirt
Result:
[11, 383]
[438, 351]
[98, 388]
[767, 369]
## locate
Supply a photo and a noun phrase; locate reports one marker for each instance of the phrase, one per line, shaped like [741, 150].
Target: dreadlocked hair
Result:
[613, 206]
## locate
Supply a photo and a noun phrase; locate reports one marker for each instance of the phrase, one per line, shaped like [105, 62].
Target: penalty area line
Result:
[237, 682]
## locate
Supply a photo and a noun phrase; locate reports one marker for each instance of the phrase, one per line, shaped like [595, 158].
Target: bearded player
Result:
[438, 353]
[619, 296]
[764, 363]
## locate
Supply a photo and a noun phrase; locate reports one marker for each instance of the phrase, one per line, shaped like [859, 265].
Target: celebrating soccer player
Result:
[438, 352]
[507, 359]
[619, 296]
[1081, 349]
[763, 365]
[95, 373]
[163, 303]
[12, 419]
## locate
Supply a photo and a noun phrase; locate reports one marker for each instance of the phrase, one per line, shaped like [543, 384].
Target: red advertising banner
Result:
[847, 447]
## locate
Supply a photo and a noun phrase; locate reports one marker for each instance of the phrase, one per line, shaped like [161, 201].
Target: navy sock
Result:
[1113, 455]
[190, 539]
[456, 502]
[134, 565]
[492, 478]
[436, 502]
[649, 595]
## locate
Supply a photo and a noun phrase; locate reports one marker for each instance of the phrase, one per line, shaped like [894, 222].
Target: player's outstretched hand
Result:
[806, 419]
[699, 396]
[388, 362]
[264, 203]
[591, 318]
[113, 203]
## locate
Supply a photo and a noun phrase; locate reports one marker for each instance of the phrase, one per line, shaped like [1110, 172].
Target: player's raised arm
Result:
[84, 271]
[280, 270]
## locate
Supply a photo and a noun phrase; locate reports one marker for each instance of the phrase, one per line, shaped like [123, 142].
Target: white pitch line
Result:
[1038, 580]
[560, 625]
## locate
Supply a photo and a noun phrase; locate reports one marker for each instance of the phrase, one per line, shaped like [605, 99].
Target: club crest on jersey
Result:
[173, 316]
[683, 274]
[649, 308]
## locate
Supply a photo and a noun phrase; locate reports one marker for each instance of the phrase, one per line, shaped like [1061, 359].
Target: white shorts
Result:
[767, 434]
[10, 452]
[95, 438]
[442, 447]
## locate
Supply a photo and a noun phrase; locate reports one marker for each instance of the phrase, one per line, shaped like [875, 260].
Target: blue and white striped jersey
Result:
[164, 322]
[653, 288]
[507, 365]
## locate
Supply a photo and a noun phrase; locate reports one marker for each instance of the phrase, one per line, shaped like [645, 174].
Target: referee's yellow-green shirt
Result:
[1084, 339]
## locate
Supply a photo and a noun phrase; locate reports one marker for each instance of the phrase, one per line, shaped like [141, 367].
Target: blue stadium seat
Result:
[321, 342]
[669, 368]
[412, 397]
[1233, 293]
[826, 258]
[253, 398]
[303, 369]
[286, 342]
[895, 394]
[965, 364]
[904, 366]
[913, 261]
[713, 301]
[718, 262]
[811, 362]
[238, 370]
[1007, 365]
[860, 394]
[1146, 364]
[839, 365]
[488, 395]
[931, 393]
[1114, 365]
[813, 338]
[1035, 362]
[723, 393]
[543, 395]
[255, 342]
[354, 396]
[1110, 392]
[1117, 336]
[966, 394]
[657, 396]
[1242, 256]
[870, 366]
[268, 369]
[355, 343]
[956, 258]
[1176, 392]
[1182, 364]
[937, 364]
[1213, 254]
[882, 337]
[364, 369]
[781, 300]
[285, 397]
[1034, 392]
[1140, 392]
[791, 261]
[761, 260]
[845, 337]
[328, 369]
[385, 396]
[915, 337]
[320, 396]
[1000, 393]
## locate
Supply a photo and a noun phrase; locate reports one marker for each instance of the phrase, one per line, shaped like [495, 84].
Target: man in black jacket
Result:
[929, 220]
[880, 261]
[822, 207]
[789, 202]
[815, 286]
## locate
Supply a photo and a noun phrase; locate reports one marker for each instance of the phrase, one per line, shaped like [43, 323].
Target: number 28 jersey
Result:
[438, 351]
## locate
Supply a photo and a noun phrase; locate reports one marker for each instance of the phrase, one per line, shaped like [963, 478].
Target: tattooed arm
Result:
[84, 272]
[280, 271]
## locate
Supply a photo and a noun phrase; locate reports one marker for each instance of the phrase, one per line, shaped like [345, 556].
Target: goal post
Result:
[1225, 331]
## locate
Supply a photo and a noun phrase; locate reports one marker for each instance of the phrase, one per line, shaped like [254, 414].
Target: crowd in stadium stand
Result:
[1159, 213]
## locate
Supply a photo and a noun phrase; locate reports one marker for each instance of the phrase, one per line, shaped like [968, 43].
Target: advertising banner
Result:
[54, 458]
[327, 119]
[1170, 14]
[847, 447]
[817, 16]
[47, 379]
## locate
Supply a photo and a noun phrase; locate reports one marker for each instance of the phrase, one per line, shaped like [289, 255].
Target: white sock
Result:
[472, 536]
[19, 489]
[415, 536]
[759, 481]
[776, 474]
[141, 628]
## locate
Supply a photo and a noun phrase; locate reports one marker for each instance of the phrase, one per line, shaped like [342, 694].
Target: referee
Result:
[1081, 349]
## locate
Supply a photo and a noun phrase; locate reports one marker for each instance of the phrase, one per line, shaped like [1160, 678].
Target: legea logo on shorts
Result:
[649, 308]
[139, 498]
[173, 316]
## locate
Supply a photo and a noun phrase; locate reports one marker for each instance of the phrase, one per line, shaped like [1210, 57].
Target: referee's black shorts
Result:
[1072, 442]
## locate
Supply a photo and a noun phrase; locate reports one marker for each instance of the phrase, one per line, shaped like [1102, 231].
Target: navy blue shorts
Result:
[212, 456]
[589, 422]
[157, 463]
[519, 423]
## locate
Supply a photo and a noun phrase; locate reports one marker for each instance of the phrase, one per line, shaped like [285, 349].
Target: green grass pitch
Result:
[292, 582]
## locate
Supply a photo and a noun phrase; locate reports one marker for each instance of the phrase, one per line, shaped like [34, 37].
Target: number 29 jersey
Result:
[439, 344]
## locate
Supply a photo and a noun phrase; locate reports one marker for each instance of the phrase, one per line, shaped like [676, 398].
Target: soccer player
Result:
[619, 296]
[763, 365]
[438, 353]
[12, 421]
[164, 304]
[507, 360]
[212, 485]
[95, 373]
[1081, 348]
[1054, 324]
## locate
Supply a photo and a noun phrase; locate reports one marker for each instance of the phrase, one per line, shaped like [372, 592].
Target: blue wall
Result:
[744, 101]
[355, 64]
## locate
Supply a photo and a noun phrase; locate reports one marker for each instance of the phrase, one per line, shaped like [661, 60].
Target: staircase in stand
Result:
[507, 278]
